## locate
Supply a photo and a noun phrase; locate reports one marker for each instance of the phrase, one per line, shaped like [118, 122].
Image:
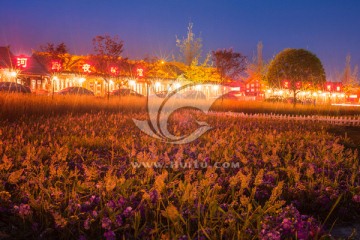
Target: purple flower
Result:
[356, 198]
[154, 196]
[289, 224]
[82, 237]
[111, 204]
[224, 207]
[23, 210]
[270, 235]
[94, 213]
[106, 223]
[286, 224]
[73, 206]
[94, 199]
[118, 221]
[127, 212]
[109, 235]
[85, 207]
[87, 224]
[183, 237]
[121, 201]
[35, 226]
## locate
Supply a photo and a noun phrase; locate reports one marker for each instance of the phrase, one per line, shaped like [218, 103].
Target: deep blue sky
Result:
[328, 28]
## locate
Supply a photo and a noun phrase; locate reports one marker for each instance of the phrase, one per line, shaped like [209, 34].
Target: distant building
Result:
[22, 69]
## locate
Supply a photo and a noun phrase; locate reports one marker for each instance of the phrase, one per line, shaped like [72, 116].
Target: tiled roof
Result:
[34, 67]
[5, 57]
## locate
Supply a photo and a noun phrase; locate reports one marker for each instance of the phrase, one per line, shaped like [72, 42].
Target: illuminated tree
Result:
[201, 73]
[256, 70]
[107, 57]
[190, 47]
[160, 69]
[297, 70]
[56, 58]
[350, 78]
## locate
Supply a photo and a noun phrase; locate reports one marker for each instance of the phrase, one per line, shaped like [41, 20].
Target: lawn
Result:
[81, 169]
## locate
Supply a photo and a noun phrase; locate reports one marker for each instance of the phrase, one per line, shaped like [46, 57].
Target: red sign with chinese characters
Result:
[140, 73]
[22, 62]
[333, 86]
[114, 70]
[55, 66]
[286, 84]
[86, 68]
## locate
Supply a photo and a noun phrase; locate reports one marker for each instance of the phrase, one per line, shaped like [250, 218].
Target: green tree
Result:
[300, 68]
[107, 56]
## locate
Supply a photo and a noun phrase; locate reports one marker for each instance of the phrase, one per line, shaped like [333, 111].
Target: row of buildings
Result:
[43, 75]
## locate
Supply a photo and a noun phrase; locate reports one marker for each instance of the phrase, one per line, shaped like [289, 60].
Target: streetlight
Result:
[81, 81]
[13, 74]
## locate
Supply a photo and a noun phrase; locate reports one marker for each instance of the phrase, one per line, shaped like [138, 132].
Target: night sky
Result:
[328, 28]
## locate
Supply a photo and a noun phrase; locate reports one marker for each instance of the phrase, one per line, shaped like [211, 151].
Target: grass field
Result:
[78, 168]
[14, 106]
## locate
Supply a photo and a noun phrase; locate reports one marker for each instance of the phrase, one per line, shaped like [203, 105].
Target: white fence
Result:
[340, 120]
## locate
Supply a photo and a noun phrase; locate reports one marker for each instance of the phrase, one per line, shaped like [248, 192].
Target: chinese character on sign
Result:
[55, 66]
[114, 70]
[86, 68]
[286, 84]
[140, 72]
[21, 62]
[338, 88]
[329, 87]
